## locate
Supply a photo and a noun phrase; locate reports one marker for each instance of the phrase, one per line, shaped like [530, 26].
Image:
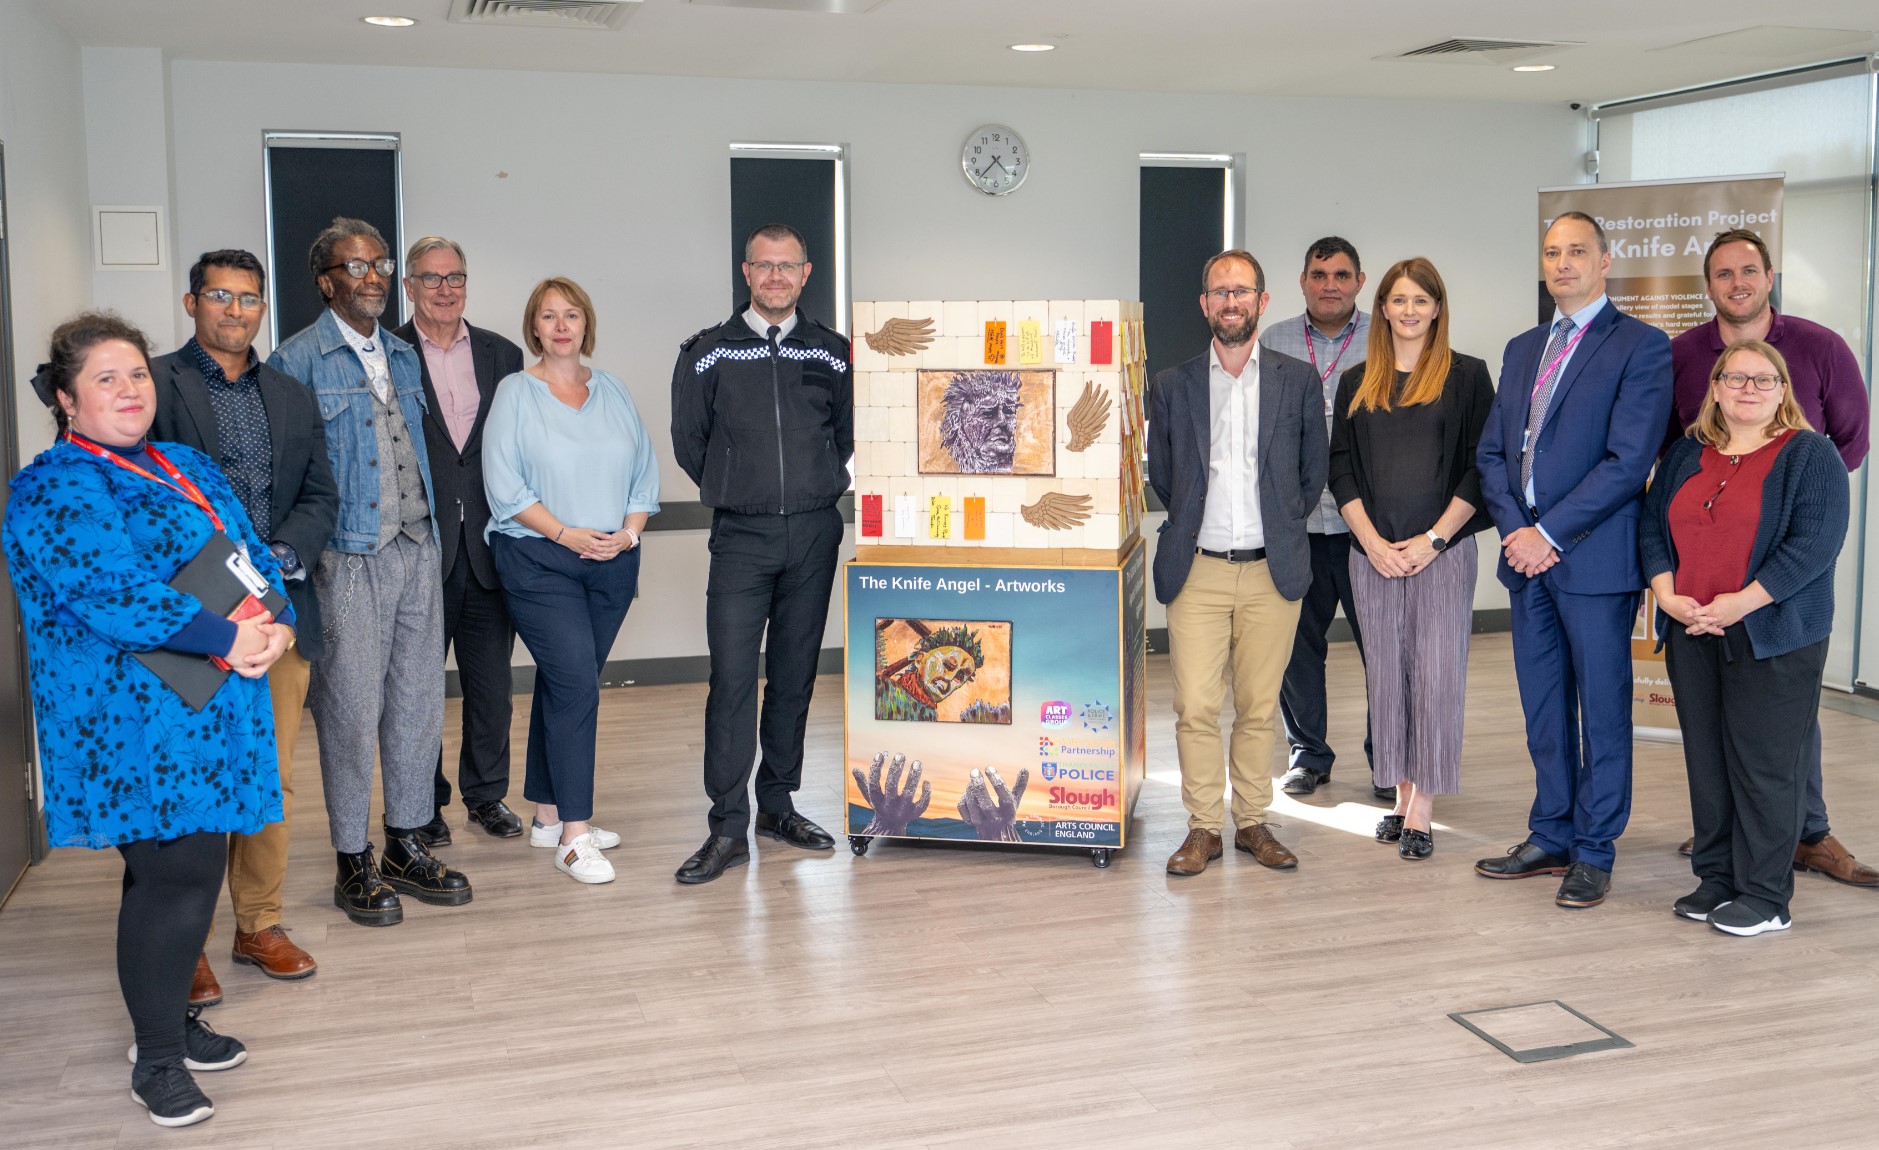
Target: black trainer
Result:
[1697, 905]
[713, 859]
[170, 1095]
[362, 894]
[203, 1048]
[1744, 921]
[413, 869]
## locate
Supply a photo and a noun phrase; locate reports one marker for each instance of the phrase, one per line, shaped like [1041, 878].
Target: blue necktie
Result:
[1543, 398]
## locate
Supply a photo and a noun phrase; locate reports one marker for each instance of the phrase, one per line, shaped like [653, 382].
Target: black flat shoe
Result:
[1390, 828]
[435, 833]
[410, 867]
[795, 830]
[496, 818]
[1383, 794]
[1302, 781]
[362, 894]
[1523, 861]
[1415, 845]
[713, 859]
[1585, 886]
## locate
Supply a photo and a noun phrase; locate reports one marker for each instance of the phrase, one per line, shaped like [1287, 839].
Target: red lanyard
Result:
[178, 482]
[1312, 351]
[1557, 360]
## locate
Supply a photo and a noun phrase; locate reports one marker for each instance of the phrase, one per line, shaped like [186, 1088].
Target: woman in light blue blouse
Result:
[571, 478]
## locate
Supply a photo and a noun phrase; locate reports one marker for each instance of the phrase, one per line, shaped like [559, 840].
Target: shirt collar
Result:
[1250, 373]
[1584, 315]
[761, 325]
[358, 342]
[212, 370]
[463, 333]
[1312, 332]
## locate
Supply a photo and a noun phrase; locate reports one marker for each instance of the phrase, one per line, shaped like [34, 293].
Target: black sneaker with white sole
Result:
[1699, 904]
[1745, 921]
[203, 1048]
[171, 1096]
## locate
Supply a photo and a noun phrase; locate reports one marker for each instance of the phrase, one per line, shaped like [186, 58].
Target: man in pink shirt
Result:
[462, 366]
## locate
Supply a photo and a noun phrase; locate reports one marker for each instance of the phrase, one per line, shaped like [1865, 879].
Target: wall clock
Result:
[995, 160]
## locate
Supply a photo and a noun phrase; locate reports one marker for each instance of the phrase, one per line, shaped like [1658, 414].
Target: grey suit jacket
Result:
[1293, 456]
[306, 500]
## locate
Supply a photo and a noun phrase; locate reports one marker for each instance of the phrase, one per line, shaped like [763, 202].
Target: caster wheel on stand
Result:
[1099, 857]
[859, 844]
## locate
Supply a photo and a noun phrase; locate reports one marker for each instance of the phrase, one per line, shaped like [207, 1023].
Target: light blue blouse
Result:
[590, 467]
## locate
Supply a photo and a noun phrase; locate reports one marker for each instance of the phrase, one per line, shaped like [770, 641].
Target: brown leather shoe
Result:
[275, 953]
[1688, 848]
[1197, 850]
[1257, 841]
[1831, 859]
[203, 989]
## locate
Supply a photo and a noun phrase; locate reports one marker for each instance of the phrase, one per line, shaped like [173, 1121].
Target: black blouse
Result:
[1407, 463]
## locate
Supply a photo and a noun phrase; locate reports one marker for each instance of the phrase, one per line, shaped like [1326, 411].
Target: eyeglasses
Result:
[1736, 381]
[766, 267]
[222, 297]
[1222, 295]
[357, 268]
[432, 279]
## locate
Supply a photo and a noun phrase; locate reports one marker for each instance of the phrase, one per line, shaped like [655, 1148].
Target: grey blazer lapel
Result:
[1200, 405]
[1271, 396]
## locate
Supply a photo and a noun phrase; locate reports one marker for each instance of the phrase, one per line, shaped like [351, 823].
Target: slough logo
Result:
[1097, 716]
[1055, 713]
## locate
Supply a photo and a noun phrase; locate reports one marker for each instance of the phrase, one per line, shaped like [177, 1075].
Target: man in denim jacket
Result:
[379, 583]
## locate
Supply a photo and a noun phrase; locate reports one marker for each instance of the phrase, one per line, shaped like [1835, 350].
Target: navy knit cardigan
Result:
[1804, 513]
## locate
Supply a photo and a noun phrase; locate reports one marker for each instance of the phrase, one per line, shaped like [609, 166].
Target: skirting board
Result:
[697, 668]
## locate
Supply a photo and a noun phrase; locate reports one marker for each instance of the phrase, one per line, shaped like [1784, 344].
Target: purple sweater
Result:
[1827, 382]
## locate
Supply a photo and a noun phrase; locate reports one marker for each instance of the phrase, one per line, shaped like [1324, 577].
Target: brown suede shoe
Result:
[1831, 859]
[1200, 848]
[1257, 841]
[275, 953]
[1688, 848]
[203, 989]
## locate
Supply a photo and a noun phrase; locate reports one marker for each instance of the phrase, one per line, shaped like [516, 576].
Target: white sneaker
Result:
[581, 861]
[550, 836]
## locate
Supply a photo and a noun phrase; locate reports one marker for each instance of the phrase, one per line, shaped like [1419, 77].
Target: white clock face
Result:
[995, 160]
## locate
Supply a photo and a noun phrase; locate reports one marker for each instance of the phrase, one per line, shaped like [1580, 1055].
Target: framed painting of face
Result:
[987, 422]
[942, 671]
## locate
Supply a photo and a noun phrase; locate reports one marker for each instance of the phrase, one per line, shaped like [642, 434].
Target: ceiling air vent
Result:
[1478, 50]
[599, 15]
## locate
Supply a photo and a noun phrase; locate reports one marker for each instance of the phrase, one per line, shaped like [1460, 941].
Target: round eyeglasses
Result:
[357, 268]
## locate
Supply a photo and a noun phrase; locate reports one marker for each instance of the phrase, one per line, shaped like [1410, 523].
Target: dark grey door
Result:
[18, 819]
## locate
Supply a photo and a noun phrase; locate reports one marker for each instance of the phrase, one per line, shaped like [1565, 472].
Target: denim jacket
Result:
[320, 357]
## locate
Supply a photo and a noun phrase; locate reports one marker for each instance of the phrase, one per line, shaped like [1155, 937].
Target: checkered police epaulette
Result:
[705, 363]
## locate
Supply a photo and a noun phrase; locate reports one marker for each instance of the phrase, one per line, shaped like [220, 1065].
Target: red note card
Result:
[871, 515]
[975, 517]
[1102, 341]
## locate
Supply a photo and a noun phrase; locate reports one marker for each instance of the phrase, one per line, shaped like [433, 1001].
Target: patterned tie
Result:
[1543, 398]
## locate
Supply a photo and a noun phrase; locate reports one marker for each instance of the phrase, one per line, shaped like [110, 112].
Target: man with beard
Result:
[379, 689]
[763, 421]
[979, 426]
[1824, 374]
[1330, 336]
[1237, 452]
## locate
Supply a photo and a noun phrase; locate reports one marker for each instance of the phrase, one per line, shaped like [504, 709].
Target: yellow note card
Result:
[975, 517]
[1030, 341]
[940, 517]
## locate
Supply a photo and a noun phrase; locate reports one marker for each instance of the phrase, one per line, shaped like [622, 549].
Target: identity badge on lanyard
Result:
[177, 481]
[1311, 350]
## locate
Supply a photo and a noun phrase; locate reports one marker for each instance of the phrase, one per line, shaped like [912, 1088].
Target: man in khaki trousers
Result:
[1237, 453]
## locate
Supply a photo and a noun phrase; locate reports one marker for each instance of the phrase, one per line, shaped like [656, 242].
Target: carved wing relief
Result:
[1089, 416]
[901, 336]
[1056, 511]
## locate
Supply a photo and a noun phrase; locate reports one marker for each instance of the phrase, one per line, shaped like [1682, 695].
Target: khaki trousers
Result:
[257, 863]
[1227, 614]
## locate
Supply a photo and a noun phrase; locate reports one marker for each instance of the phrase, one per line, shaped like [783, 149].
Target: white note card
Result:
[907, 517]
[1066, 341]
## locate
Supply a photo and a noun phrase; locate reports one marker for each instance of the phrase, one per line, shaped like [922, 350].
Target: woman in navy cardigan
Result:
[1741, 529]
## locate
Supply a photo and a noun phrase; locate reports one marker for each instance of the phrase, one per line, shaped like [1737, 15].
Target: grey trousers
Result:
[378, 691]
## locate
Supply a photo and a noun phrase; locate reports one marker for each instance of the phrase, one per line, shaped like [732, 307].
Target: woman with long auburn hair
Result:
[1405, 425]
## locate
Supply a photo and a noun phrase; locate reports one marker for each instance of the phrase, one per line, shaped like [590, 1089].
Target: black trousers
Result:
[1301, 697]
[1747, 725]
[769, 572]
[170, 889]
[476, 622]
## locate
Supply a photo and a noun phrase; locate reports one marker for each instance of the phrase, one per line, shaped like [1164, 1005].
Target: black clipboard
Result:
[221, 577]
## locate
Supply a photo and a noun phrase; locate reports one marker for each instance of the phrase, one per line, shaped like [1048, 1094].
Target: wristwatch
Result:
[1436, 541]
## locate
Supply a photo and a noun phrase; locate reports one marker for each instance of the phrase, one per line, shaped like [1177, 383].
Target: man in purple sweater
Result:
[1737, 273]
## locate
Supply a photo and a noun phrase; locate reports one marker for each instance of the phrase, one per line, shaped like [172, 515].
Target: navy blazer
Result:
[1593, 453]
[306, 499]
[457, 476]
[1293, 454]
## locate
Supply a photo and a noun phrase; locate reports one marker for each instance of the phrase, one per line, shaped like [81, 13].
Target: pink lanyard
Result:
[1312, 351]
[1557, 360]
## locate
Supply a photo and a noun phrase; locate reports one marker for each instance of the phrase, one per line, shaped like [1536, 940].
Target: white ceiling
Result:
[1314, 48]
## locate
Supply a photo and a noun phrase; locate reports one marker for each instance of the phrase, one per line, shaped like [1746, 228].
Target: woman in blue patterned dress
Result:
[95, 528]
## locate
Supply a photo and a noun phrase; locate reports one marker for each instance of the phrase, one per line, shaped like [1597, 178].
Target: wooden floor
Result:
[932, 997]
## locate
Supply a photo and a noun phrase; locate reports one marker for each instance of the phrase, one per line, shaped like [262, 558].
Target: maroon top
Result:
[1714, 517]
[1827, 383]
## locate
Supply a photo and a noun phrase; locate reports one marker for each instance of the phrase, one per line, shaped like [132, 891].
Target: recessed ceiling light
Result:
[1533, 67]
[1034, 47]
[389, 21]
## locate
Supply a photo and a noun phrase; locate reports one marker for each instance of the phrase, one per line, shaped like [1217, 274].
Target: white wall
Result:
[622, 183]
[127, 161]
[49, 231]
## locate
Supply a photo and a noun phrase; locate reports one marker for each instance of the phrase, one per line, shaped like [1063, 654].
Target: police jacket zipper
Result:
[776, 397]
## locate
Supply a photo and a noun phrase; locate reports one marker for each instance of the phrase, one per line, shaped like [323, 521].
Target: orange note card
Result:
[994, 341]
[975, 517]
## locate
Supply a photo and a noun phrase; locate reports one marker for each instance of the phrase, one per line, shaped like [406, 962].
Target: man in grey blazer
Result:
[1237, 454]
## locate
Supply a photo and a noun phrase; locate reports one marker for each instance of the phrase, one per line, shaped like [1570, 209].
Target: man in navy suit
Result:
[1236, 451]
[1569, 443]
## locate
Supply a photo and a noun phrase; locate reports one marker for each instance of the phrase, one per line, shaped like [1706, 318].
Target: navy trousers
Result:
[1302, 695]
[768, 573]
[1572, 655]
[476, 623]
[568, 611]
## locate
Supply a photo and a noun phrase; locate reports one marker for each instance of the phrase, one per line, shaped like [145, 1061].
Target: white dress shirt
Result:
[761, 325]
[1231, 520]
[371, 352]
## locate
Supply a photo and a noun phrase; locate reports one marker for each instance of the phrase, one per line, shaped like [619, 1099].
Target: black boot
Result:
[413, 869]
[362, 894]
